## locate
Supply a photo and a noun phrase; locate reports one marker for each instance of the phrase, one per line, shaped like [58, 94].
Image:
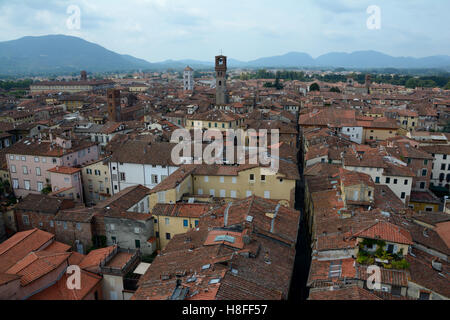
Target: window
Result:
[222, 179]
[25, 170]
[233, 194]
[444, 157]
[223, 193]
[27, 184]
[122, 176]
[78, 226]
[267, 194]
[206, 179]
[36, 159]
[424, 172]
[89, 171]
[388, 180]
[406, 182]
[137, 244]
[13, 169]
[249, 194]
[15, 184]
[167, 236]
[137, 230]
[196, 223]
[403, 196]
[25, 220]
[377, 180]
[167, 221]
[263, 178]
[114, 240]
[162, 197]
[443, 166]
[425, 162]
[112, 227]
[212, 192]
[200, 192]
[185, 223]
[40, 186]
[395, 181]
[24, 158]
[154, 179]
[252, 177]
[422, 185]
[234, 180]
[65, 225]
[38, 171]
[52, 224]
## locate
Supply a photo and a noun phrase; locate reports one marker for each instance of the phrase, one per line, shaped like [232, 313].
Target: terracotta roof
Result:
[386, 231]
[348, 293]
[93, 260]
[423, 274]
[20, 245]
[37, 264]
[64, 170]
[185, 210]
[388, 276]
[60, 291]
[43, 204]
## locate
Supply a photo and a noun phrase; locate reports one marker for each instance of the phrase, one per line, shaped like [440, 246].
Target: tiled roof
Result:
[64, 170]
[93, 260]
[20, 245]
[386, 231]
[348, 293]
[423, 274]
[185, 210]
[60, 291]
[388, 276]
[37, 264]
[43, 204]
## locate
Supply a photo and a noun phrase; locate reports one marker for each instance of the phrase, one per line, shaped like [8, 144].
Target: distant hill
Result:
[59, 54]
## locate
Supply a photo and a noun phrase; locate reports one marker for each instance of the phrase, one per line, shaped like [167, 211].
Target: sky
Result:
[157, 30]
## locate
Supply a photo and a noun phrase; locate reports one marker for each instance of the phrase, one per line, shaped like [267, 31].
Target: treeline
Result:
[21, 84]
[409, 81]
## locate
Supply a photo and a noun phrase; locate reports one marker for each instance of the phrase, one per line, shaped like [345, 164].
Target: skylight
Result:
[225, 238]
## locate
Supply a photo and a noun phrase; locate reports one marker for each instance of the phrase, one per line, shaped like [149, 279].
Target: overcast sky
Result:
[157, 30]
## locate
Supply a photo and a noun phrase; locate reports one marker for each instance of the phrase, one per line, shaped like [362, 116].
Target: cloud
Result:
[179, 29]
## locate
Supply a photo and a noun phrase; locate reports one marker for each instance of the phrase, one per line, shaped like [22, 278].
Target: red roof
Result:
[64, 170]
[386, 231]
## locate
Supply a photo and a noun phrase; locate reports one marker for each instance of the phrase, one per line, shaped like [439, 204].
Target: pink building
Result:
[66, 183]
[30, 161]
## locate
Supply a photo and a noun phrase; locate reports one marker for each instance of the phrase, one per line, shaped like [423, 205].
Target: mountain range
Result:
[60, 54]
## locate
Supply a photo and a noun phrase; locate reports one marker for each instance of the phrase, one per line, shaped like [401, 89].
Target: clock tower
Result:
[221, 80]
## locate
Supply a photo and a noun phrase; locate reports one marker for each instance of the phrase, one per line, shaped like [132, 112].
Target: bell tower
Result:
[221, 80]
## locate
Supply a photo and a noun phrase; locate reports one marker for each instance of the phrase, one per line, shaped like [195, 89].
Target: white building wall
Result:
[137, 174]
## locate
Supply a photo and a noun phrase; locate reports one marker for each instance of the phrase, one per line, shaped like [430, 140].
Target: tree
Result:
[447, 86]
[335, 89]
[314, 87]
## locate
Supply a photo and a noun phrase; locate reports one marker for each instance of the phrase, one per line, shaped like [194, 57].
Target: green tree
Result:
[335, 89]
[447, 86]
[314, 87]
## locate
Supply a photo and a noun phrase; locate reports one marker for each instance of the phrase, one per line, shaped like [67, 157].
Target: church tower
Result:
[188, 79]
[221, 80]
